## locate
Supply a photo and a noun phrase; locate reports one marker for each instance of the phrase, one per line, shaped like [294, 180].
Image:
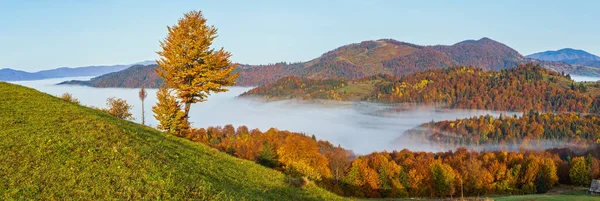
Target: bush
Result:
[69, 97]
[119, 108]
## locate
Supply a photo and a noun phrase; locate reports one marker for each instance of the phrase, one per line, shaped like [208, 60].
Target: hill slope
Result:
[132, 77]
[527, 87]
[570, 56]
[52, 149]
[370, 58]
[387, 56]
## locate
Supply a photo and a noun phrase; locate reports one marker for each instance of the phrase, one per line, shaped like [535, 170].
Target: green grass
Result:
[357, 90]
[550, 197]
[51, 149]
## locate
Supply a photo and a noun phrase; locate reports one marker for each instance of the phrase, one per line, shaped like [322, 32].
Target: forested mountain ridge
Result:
[132, 77]
[385, 56]
[527, 87]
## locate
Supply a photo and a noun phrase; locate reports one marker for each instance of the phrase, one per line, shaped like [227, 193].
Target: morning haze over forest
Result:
[270, 100]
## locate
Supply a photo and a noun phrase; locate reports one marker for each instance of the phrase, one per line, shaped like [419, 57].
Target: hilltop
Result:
[133, 77]
[53, 149]
[387, 56]
[367, 58]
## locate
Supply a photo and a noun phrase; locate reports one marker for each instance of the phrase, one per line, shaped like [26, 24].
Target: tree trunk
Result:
[143, 121]
[187, 110]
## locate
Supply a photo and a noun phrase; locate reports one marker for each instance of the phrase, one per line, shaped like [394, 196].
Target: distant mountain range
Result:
[368, 58]
[8, 74]
[569, 56]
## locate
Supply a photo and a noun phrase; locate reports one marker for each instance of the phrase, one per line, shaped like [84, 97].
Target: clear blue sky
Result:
[37, 35]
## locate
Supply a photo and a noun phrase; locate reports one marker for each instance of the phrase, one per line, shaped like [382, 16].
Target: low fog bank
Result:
[421, 136]
[579, 78]
[361, 127]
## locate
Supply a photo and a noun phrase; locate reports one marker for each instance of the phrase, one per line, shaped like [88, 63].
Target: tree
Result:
[119, 108]
[189, 65]
[143, 94]
[442, 178]
[69, 97]
[168, 113]
[579, 172]
[300, 156]
[267, 156]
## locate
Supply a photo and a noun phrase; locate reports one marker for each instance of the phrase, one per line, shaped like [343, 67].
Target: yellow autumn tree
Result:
[300, 156]
[168, 113]
[119, 108]
[189, 65]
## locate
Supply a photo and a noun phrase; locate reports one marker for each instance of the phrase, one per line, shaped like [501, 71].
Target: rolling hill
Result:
[365, 59]
[387, 56]
[132, 77]
[52, 149]
[527, 87]
[569, 56]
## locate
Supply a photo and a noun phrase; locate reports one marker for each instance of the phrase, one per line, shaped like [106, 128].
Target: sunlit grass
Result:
[52, 149]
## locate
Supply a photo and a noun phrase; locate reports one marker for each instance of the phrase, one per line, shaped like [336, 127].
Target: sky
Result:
[37, 35]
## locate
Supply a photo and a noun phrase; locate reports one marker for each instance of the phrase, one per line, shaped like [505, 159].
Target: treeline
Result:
[529, 129]
[263, 74]
[526, 87]
[403, 173]
[294, 87]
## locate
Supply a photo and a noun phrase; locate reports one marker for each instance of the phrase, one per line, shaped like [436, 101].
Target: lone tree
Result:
[143, 94]
[189, 66]
[119, 108]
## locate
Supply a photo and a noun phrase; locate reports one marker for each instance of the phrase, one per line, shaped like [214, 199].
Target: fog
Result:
[417, 137]
[579, 78]
[361, 127]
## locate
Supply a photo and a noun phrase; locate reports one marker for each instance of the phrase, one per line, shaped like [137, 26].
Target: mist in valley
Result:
[361, 127]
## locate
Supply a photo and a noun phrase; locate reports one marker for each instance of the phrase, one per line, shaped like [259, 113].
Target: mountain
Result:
[8, 74]
[17, 75]
[133, 77]
[387, 56]
[368, 58]
[145, 63]
[72, 152]
[569, 56]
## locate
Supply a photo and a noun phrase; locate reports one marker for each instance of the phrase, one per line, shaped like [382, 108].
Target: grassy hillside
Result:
[52, 149]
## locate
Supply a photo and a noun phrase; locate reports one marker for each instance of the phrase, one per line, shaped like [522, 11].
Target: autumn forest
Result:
[540, 128]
